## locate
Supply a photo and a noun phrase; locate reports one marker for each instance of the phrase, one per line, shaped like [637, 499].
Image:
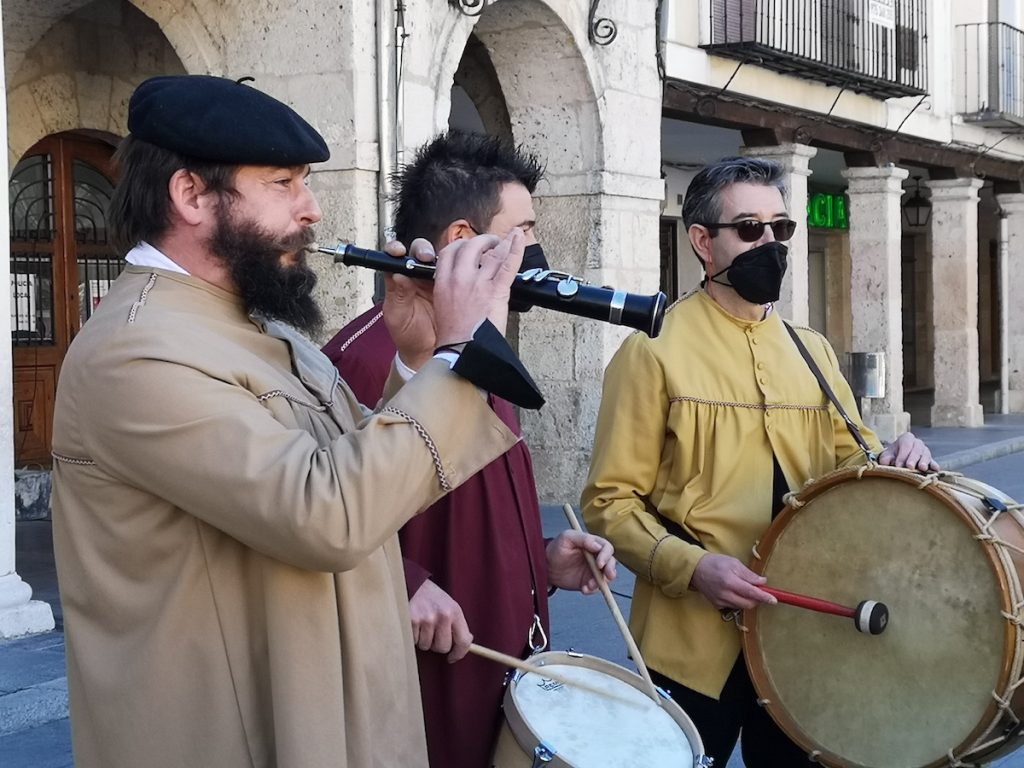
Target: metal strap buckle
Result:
[542, 754]
[537, 630]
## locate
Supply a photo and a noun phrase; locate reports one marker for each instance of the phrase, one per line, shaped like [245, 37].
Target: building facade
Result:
[377, 79]
[900, 123]
[896, 119]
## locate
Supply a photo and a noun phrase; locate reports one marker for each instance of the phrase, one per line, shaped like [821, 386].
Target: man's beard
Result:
[268, 287]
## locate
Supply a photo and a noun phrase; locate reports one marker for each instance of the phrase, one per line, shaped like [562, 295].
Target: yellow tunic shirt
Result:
[687, 426]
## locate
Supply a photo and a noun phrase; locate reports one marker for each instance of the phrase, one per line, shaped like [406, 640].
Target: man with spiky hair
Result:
[476, 562]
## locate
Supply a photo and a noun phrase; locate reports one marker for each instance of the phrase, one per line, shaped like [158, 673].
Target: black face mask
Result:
[533, 258]
[757, 274]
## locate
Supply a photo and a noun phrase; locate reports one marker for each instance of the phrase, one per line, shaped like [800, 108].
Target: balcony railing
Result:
[990, 71]
[878, 47]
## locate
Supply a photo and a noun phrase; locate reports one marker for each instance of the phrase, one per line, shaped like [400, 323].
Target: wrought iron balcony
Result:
[990, 71]
[879, 47]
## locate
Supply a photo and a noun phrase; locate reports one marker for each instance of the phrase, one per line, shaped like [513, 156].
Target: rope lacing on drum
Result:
[754, 552]
[1005, 709]
[790, 500]
[985, 525]
[983, 747]
[763, 702]
[813, 757]
[864, 468]
[974, 493]
[928, 480]
[1004, 703]
[955, 762]
[1014, 618]
[994, 539]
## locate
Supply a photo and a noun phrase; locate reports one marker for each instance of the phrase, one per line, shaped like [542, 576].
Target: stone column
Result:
[19, 614]
[793, 303]
[876, 297]
[955, 302]
[1012, 206]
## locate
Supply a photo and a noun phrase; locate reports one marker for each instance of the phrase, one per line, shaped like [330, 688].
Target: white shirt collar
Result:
[145, 255]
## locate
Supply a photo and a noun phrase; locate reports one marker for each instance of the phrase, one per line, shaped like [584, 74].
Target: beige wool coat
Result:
[224, 527]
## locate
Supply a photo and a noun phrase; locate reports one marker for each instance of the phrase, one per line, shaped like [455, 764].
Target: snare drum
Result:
[939, 686]
[551, 724]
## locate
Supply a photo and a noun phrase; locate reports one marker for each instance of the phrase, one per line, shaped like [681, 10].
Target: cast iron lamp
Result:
[917, 209]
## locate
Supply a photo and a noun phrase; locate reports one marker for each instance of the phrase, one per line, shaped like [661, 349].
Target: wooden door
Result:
[61, 266]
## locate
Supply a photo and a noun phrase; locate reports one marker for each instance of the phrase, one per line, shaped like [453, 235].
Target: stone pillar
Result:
[1012, 206]
[955, 302]
[19, 614]
[793, 303]
[876, 297]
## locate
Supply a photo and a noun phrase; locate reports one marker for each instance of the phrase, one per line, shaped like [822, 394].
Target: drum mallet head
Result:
[871, 617]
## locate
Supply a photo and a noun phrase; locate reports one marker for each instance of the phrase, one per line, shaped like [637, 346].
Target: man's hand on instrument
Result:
[567, 564]
[728, 583]
[473, 282]
[409, 307]
[910, 452]
[437, 622]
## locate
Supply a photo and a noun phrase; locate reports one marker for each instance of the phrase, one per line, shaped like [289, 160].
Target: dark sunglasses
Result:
[750, 230]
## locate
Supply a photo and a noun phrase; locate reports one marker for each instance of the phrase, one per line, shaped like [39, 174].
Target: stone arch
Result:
[476, 76]
[80, 72]
[529, 45]
[549, 89]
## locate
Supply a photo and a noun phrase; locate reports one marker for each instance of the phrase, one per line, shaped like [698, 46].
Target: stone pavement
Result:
[34, 729]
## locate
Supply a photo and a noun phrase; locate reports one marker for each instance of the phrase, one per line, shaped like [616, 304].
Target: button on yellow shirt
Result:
[687, 426]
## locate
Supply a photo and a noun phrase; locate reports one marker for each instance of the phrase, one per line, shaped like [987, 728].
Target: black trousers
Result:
[720, 723]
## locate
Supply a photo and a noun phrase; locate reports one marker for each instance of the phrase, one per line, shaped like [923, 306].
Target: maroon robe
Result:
[483, 545]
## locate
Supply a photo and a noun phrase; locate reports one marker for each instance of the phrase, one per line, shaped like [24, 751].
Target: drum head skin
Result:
[585, 730]
[925, 685]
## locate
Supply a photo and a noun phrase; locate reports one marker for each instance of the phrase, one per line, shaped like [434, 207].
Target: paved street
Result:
[34, 729]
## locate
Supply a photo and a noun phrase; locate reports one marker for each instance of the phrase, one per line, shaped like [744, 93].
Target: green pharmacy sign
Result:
[827, 211]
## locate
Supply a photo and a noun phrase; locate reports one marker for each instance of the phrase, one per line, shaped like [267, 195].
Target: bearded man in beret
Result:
[224, 509]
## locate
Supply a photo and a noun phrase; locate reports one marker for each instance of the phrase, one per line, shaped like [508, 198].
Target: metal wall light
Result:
[917, 209]
[600, 29]
[469, 7]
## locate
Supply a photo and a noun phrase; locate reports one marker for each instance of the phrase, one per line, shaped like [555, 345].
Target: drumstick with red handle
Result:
[869, 616]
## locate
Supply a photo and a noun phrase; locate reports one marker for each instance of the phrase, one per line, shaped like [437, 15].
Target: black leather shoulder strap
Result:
[857, 436]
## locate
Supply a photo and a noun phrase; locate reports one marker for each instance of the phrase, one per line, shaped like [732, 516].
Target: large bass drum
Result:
[941, 686]
[561, 726]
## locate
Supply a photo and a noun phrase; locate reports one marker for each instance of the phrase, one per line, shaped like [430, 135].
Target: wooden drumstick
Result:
[525, 666]
[634, 651]
[870, 616]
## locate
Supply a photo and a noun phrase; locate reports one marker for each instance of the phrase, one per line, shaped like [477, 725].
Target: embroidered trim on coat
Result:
[292, 399]
[142, 298]
[361, 331]
[682, 298]
[434, 454]
[73, 460]
[754, 406]
[650, 560]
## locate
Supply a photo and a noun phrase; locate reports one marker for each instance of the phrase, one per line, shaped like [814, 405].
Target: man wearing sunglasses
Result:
[700, 434]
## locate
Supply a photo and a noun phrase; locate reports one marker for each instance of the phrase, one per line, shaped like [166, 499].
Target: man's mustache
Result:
[299, 241]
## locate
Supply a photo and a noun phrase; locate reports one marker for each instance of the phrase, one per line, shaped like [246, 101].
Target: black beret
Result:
[222, 121]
